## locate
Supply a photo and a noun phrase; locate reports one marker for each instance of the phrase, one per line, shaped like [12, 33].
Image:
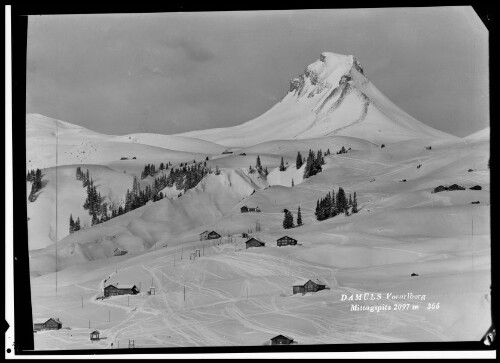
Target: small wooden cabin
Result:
[47, 324]
[286, 241]
[281, 340]
[246, 209]
[95, 335]
[209, 235]
[304, 286]
[112, 290]
[254, 242]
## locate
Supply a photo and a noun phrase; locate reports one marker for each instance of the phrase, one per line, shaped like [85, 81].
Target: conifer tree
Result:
[341, 201]
[288, 220]
[293, 183]
[298, 161]
[299, 217]
[354, 204]
[258, 165]
[71, 224]
[350, 200]
[77, 224]
[282, 165]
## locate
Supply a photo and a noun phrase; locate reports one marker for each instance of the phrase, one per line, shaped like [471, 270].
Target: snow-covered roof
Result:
[118, 286]
[40, 320]
[282, 335]
[286, 237]
[44, 320]
[125, 286]
[258, 240]
[302, 282]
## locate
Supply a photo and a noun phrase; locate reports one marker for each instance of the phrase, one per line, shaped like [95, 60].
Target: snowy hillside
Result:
[236, 296]
[332, 97]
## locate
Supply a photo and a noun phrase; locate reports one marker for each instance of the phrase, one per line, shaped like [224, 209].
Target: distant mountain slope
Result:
[78, 145]
[332, 97]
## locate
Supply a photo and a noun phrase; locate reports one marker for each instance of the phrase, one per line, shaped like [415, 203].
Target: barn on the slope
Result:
[254, 242]
[47, 324]
[209, 235]
[303, 286]
[112, 290]
[286, 241]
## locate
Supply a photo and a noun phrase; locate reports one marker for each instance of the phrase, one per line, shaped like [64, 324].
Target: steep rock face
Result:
[331, 97]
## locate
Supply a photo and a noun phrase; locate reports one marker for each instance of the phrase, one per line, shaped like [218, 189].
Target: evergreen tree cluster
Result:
[313, 163]
[288, 219]
[342, 151]
[83, 177]
[184, 178]
[35, 177]
[332, 205]
[149, 170]
[74, 225]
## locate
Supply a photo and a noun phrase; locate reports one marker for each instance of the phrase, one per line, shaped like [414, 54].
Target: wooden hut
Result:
[281, 340]
[244, 209]
[286, 241]
[95, 335]
[254, 242]
[112, 290]
[209, 235]
[47, 324]
[303, 286]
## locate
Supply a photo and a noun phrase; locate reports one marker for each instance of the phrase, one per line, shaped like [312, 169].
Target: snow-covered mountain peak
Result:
[328, 72]
[333, 97]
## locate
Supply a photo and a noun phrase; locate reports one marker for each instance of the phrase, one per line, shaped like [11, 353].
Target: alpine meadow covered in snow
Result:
[334, 217]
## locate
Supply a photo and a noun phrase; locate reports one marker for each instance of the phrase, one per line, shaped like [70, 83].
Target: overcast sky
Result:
[175, 72]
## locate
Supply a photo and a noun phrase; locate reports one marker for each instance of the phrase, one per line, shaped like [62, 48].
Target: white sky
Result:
[175, 72]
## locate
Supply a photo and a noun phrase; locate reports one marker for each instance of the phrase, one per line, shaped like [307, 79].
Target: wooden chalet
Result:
[112, 290]
[281, 340]
[246, 209]
[47, 324]
[303, 286]
[209, 235]
[286, 241]
[254, 242]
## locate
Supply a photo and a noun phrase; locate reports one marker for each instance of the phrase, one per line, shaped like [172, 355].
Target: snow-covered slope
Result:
[480, 135]
[236, 296]
[78, 145]
[332, 97]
